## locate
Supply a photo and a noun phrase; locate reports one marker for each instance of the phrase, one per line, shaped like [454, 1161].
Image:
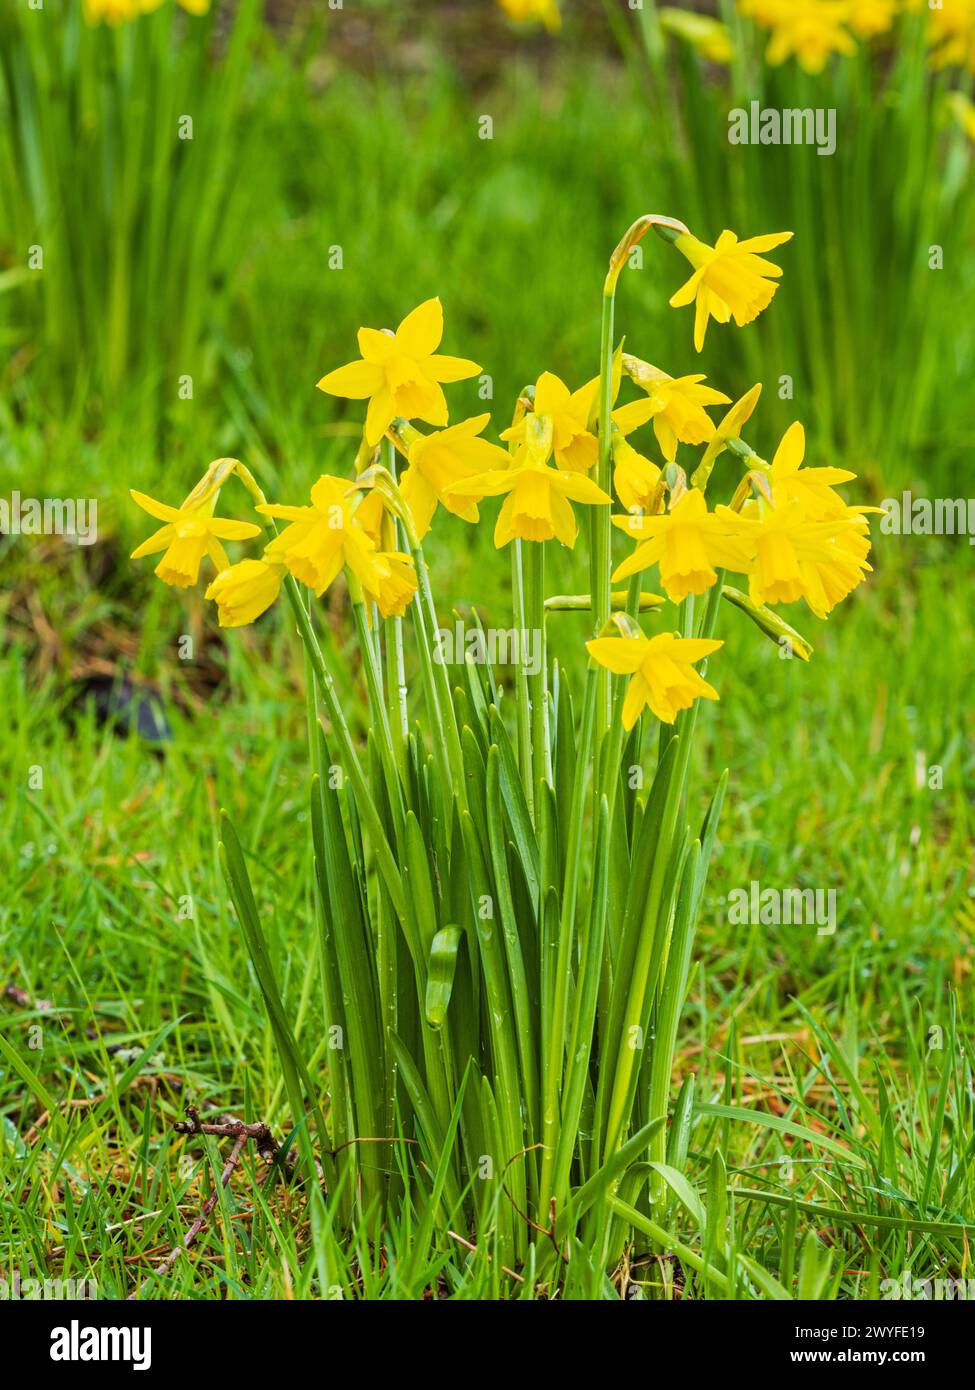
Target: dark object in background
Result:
[130, 708]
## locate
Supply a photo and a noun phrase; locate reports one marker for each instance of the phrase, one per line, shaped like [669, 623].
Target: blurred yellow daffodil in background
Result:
[811, 31]
[118, 11]
[868, 18]
[707, 35]
[538, 11]
[951, 33]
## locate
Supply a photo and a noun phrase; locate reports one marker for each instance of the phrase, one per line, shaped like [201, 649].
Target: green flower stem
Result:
[621, 601]
[554, 1042]
[600, 558]
[395, 662]
[538, 680]
[384, 737]
[425, 616]
[522, 697]
[326, 685]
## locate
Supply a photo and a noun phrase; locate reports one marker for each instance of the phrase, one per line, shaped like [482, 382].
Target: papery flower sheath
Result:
[400, 373]
[663, 677]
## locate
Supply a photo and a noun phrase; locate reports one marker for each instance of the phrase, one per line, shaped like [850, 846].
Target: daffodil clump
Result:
[814, 31]
[506, 875]
[810, 32]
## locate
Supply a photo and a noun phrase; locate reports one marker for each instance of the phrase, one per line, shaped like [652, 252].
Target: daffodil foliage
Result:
[509, 871]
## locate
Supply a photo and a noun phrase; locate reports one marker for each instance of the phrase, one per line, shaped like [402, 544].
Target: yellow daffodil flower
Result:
[764, 12]
[689, 544]
[371, 515]
[444, 457]
[542, 11]
[811, 31]
[322, 538]
[867, 18]
[537, 505]
[729, 428]
[190, 532]
[680, 414]
[963, 110]
[396, 585]
[707, 35]
[730, 280]
[576, 448]
[663, 677]
[118, 11]
[245, 591]
[795, 558]
[812, 488]
[951, 34]
[635, 478]
[400, 373]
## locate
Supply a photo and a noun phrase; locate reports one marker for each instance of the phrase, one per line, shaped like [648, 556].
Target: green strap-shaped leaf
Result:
[440, 975]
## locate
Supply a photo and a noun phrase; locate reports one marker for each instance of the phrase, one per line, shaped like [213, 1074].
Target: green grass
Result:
[829, 1033]
[829, 1036]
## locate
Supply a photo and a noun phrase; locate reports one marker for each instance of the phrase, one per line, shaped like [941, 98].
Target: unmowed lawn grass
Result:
[832, 1034]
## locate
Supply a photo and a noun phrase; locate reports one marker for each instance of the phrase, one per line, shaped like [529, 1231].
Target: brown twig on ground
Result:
[549, 1230]
[205, 1211]
[267, 1145]
[468, 1245]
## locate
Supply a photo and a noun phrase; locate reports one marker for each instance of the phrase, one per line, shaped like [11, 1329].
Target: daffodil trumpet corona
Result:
[506, 870]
